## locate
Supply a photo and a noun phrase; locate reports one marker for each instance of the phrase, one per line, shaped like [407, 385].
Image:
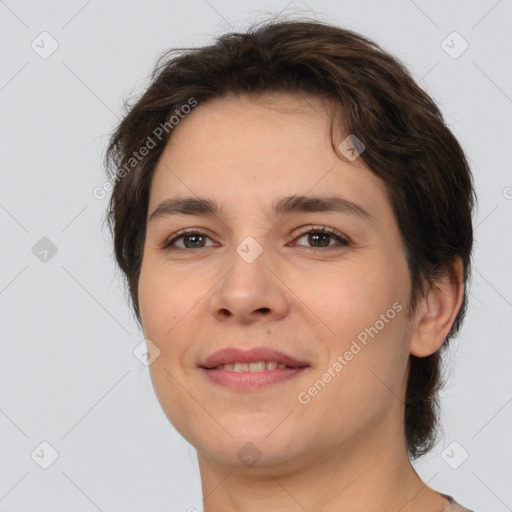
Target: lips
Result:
[234, 355]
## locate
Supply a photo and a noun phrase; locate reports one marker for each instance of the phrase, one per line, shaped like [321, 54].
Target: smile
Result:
[244, 379]
[258, 366]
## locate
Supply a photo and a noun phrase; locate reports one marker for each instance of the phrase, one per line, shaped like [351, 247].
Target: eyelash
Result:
[307, 230]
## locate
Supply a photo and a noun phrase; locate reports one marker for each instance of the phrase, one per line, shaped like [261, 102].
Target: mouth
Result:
[257, 359]
[247, 370]
[257, 366]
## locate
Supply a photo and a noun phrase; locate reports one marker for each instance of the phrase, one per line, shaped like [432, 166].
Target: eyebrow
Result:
[284, 206]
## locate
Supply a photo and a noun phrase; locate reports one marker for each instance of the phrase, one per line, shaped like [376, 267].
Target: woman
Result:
[293, 219]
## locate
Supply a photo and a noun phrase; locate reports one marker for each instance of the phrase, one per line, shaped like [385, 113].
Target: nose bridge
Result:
[250, 250]
[248, 278]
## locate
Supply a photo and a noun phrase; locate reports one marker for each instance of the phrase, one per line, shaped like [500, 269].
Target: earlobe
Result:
[437, 311]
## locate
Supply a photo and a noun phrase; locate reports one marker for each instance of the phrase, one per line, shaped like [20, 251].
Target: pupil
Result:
[315, 237]
[188, 237]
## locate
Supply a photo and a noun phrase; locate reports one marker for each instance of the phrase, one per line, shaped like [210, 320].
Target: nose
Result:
[249, 292]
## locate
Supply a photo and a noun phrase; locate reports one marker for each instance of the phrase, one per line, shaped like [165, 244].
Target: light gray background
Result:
[68, 374]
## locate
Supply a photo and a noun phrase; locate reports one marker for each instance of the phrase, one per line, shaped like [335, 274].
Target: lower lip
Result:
[248, 381]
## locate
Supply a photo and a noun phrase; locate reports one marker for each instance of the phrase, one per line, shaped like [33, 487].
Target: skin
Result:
[345, 449]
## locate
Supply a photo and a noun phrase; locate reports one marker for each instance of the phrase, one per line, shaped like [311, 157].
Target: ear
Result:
[437, 311]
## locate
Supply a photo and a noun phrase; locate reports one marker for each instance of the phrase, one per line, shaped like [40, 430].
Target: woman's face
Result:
[255, 277]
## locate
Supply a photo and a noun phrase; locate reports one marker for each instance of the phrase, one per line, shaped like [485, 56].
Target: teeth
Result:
[258, 366]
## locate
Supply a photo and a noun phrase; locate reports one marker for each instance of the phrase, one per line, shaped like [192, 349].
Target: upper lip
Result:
[253, 355]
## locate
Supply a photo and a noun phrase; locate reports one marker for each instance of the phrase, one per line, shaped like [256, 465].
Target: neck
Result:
[370, 473]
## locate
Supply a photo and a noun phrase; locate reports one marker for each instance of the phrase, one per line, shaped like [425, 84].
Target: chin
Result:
[247, 457]
[251, 445]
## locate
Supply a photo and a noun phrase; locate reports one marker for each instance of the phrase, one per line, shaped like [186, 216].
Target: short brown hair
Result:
[407, 144]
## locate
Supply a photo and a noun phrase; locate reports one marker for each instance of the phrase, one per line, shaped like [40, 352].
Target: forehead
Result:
[277, 120]
[239, 148]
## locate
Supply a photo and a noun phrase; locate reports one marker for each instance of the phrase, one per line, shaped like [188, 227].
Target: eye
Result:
[191, 240]
[321, 236]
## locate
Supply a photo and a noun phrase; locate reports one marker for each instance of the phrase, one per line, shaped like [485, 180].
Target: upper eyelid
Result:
[303, 230]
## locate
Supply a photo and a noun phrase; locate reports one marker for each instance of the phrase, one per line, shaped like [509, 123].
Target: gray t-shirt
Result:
[453, 506]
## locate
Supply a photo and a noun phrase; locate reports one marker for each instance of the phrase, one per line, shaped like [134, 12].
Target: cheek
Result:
[163, 301]
[171, 310]
[163, 305]
[364, 310]
[349, 298]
